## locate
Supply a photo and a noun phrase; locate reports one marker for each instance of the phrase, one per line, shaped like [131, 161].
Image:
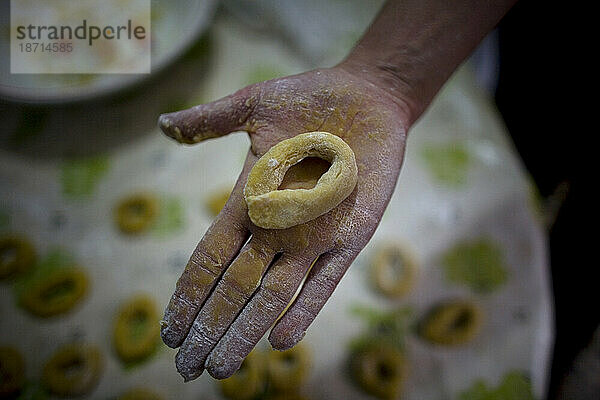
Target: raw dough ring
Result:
[74, 370]
[394, 270]
[452, 323]
[379, 369]
[58, 293]
[136, 213]
[279, 209]
[135, 336]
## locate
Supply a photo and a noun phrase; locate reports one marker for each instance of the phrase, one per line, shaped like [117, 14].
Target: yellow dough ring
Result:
[279, 209]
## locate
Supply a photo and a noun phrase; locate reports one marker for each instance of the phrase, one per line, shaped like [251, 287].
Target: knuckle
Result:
[205, 258]
[181, 301]
[276, 295]
[232, 293]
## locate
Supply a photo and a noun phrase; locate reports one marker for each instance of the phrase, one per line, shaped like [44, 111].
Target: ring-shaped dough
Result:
[135, 214]
[452, 323]
[379, 369]
[74, 370]
[393, 270]
[279, 209]
[57, 293]
[135, 334]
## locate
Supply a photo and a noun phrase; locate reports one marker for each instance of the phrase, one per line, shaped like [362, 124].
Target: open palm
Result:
[240, 278]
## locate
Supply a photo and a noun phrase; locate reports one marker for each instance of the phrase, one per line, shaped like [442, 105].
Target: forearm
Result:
[413, 46]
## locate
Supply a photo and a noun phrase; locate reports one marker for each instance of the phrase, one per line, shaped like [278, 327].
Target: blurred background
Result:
[99, 213]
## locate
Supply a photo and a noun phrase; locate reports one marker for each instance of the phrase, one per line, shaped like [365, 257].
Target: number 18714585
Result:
[56, 47]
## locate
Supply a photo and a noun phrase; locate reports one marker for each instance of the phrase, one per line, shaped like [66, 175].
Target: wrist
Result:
[390, 78]
[413, 46]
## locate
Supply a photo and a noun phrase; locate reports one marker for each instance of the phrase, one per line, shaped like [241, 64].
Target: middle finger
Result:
[232, 292]
[276, 291]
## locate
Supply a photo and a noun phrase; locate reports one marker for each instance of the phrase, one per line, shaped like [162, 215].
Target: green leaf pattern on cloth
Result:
[79, 177]
[477, 264]
[389, 326]
[170, 218]
[55, 259]
[263, 73]
[447, 164]
[514, 386]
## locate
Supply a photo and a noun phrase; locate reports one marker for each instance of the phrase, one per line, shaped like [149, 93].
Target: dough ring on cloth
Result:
[279, 209]
[74, 370]
[136, 213]
[57, 293]
[451, 323]
[379, 369]
[393, 270]
[135, 336]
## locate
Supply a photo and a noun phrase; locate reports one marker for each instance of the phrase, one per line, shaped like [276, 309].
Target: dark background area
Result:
[539, 97]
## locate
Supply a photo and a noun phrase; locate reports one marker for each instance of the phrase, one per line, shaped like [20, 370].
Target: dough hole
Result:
[305, 174]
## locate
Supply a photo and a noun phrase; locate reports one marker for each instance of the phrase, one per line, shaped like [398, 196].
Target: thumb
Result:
[215, 119]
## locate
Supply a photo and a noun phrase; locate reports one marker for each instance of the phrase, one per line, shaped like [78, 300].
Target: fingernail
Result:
[220, 368]
[189, 373]
[168, 127]
[164, 122]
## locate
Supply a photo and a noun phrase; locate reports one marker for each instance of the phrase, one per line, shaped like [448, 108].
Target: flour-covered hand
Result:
[240, 278]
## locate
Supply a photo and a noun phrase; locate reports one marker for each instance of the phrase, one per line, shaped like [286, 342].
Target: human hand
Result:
[234, 289]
